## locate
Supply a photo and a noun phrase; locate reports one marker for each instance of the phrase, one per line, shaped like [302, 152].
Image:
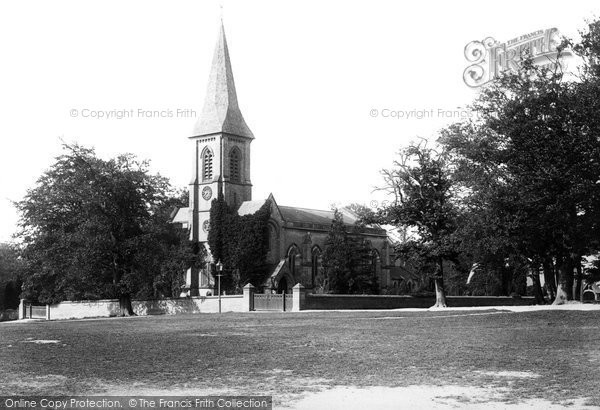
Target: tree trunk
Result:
[549, 278]
[537, 288]
[440, 293]
[569, 277]
[578, 278]
[565, 269]
[125, 306]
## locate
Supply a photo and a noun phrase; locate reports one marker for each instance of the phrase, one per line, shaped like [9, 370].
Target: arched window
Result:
[293, 254]
[375, 262]
[292, 262]
[234, 165]
[207, 164]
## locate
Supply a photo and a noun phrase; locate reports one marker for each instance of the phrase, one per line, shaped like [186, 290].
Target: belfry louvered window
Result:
[234, 165]
[207, 165]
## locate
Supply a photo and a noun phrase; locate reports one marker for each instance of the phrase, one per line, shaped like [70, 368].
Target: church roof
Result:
[250, 207]
[316, 216]
[317, 219]
[221, 112]
[180, 215]
[306, 218]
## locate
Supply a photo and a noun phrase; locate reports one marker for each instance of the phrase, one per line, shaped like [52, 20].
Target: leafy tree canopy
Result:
[11, 273]
[348, 260]
[421, 185]
[529, 166]
[94, 228]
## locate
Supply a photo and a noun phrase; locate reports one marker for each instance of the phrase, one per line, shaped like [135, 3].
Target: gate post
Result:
[22, 312]
[249, 297]
[299, 296]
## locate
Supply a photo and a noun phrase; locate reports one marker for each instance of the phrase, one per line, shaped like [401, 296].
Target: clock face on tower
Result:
[206, 193]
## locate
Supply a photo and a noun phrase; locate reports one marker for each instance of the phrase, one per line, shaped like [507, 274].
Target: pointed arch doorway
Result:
[282, 286]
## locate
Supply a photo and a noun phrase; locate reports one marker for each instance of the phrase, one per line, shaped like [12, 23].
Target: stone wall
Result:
[84, 309]
[200, 304]
[110, 307]
[342, 302]
[302, 300]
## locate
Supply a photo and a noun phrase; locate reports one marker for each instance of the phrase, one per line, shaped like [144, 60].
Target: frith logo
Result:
[489, 58]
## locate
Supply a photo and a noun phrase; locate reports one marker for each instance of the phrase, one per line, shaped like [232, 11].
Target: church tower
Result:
[222, 146]
[221, 157]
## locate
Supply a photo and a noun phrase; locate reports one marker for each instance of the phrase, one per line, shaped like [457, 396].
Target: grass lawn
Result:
[554, 355]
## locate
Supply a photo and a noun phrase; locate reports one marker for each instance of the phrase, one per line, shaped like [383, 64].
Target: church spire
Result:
[221, 112]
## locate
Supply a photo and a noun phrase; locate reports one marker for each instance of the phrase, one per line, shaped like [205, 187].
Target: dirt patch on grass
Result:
[41, 382]
[278, 383]
[421, 397]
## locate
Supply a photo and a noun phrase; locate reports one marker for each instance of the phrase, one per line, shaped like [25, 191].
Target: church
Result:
[222, 152]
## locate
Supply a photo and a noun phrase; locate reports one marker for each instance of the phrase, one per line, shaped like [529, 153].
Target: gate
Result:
[35, 312]
[273, 301]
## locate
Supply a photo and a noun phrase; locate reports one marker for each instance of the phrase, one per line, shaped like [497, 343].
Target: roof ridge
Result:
[308, 209]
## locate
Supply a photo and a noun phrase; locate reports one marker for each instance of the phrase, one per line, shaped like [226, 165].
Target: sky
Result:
[313, 80]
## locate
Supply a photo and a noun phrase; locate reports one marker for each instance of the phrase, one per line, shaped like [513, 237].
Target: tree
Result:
[492, 219]
[220, 213]
[532, 163]
[11, 272]
[164, 251]
[94, 228]
[421, 185]
[347, 259]
[335, 258]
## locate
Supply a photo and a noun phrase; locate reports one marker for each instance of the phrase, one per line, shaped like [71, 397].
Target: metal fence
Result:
[35, 311]
[273, 301]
